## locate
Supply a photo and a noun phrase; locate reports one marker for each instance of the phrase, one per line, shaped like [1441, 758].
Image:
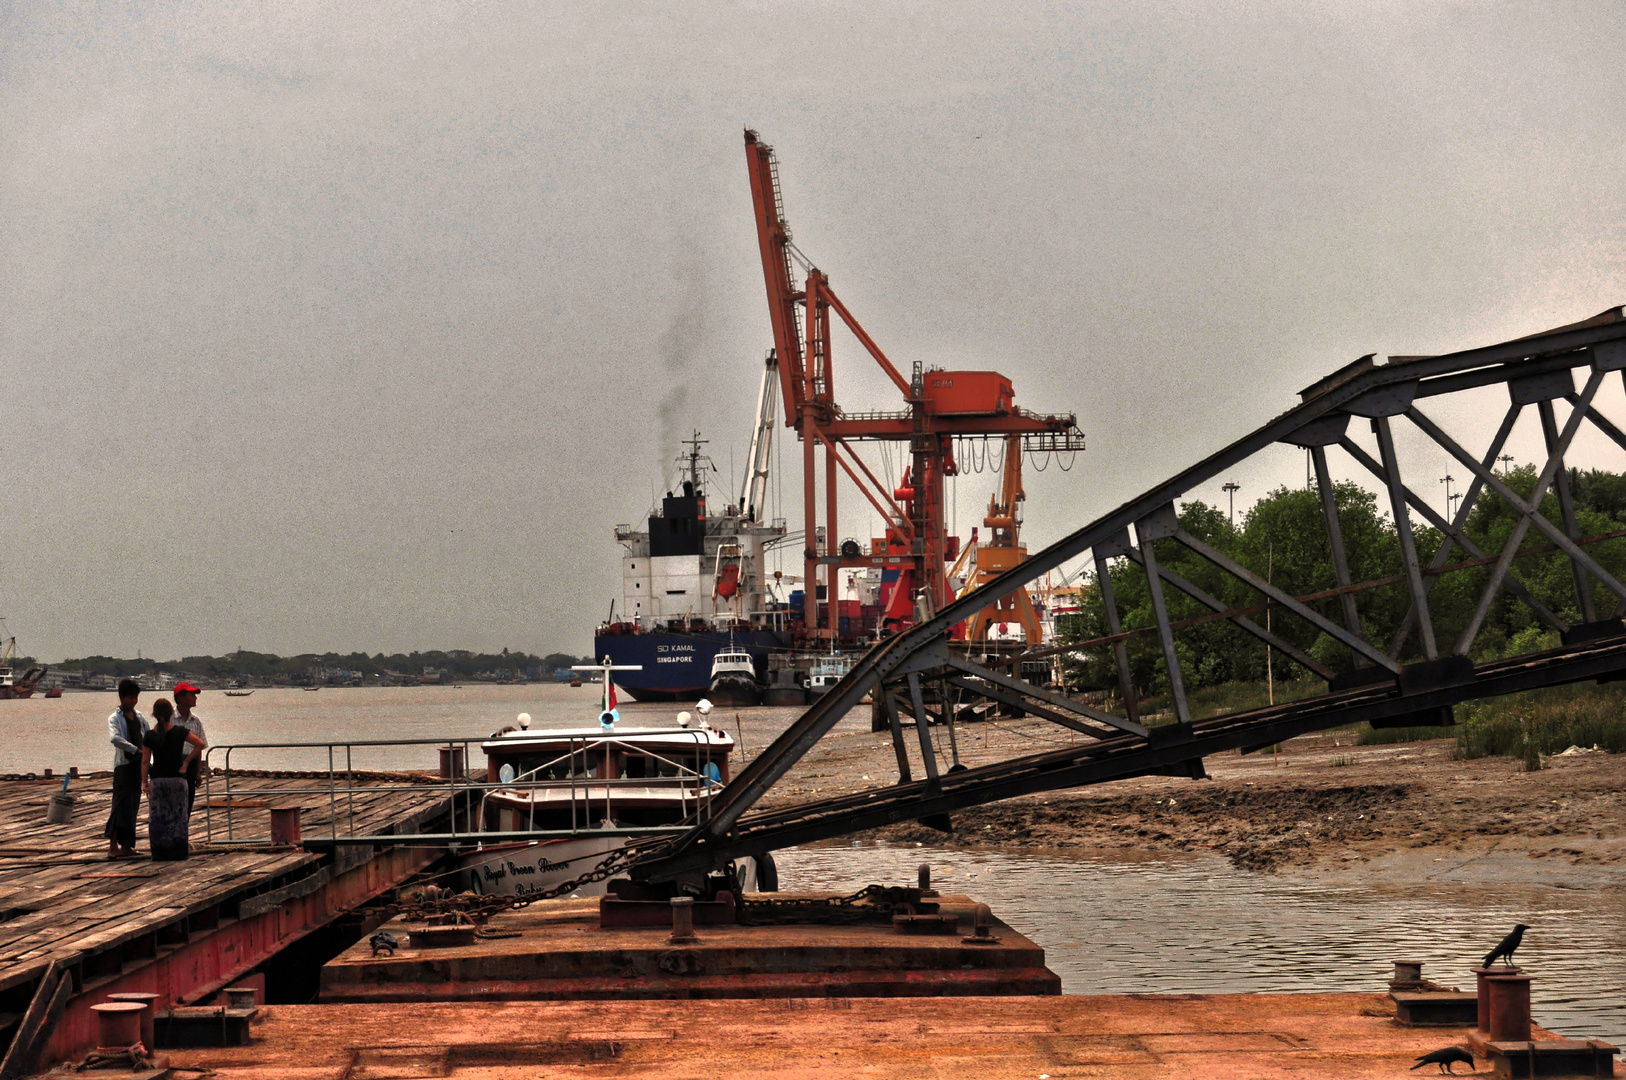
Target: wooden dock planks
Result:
[62, 900]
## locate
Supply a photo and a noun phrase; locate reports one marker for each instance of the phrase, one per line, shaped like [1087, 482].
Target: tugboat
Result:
[734, 678]
[598, 787]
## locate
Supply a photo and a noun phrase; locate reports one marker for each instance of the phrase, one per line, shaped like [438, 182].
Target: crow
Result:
[1505, 949]
[1445, 1059]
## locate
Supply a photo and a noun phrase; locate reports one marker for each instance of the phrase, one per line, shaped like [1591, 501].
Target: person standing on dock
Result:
[162, 754]
[126, 728]
[186, 698]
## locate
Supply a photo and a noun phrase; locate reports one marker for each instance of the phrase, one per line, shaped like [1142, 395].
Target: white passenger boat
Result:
[598, 788]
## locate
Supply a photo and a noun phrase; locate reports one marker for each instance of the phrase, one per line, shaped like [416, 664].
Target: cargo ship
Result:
[692, 586]
[694, 581]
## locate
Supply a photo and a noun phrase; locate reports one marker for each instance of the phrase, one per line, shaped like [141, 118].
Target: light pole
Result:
[1506, 460]
[1446, 480]
[1231, 488]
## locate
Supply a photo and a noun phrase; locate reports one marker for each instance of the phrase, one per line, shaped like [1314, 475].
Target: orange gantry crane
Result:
[1004, 550]
[939, 406]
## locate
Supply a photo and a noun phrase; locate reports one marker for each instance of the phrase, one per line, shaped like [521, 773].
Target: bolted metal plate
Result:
[1545, 387]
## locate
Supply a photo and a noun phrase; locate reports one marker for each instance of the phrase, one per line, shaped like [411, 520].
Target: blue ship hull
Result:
[677, 667]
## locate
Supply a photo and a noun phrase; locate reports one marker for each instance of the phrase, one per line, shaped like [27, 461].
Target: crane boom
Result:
[755, 493]
[773, 237]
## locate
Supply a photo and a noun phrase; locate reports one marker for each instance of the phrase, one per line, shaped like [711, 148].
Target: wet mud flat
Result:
[1321, 800]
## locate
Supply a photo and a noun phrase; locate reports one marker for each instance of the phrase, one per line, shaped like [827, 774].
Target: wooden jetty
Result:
[183, 930]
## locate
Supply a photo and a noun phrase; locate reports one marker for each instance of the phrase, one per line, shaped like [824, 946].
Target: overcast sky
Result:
[359, 326]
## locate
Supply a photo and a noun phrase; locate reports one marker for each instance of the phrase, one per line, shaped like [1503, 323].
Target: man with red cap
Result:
[186, 696]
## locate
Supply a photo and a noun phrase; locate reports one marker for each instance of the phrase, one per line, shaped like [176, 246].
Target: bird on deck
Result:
[1446, 1059]
[384, 942]
[1506, 947]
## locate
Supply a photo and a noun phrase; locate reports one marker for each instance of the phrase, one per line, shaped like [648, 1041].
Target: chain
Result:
[873, 903]
[435, 901]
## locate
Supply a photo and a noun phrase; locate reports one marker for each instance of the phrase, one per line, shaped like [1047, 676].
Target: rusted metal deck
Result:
[557, 950]
[1349, 1036]
[179, 929]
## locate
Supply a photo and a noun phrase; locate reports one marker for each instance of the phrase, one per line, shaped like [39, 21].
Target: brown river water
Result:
[1187, 924]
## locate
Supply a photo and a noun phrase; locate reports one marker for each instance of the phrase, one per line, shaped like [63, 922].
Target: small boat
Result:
[734, 678]
[54, 692]
[825, 674]
[598, 788]
[238, 693]
[310, 689]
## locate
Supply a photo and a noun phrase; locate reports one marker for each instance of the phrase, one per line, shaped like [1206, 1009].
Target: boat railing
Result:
[333, 784]
[693, 785]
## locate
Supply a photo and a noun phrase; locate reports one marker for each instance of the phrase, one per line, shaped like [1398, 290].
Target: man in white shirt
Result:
[186, 698]
[126, 728]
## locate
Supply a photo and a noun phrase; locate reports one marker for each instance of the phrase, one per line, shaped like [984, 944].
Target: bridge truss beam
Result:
[1537, 370]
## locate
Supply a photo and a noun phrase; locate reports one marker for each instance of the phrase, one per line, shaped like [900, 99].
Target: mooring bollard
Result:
[1482, 986]
[1509, 1008]
[149, 1012]
[118, 1024]
[982, 927]
[682, 920]
[285, 826]
[451, 762]
[925, 879]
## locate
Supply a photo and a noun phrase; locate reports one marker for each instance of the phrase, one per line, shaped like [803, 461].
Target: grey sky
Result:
[334, 326]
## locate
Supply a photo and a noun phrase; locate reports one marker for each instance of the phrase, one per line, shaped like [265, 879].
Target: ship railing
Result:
[333, 784]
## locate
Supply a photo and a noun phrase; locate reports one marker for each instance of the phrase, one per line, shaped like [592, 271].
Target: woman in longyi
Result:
[162, 753]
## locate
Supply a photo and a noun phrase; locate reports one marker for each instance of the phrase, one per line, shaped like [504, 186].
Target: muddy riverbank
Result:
[1321, 801]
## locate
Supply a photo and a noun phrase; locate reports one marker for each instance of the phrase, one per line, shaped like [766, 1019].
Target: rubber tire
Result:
[767, 873]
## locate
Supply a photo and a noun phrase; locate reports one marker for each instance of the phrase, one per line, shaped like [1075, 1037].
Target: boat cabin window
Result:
[670, 765]
[556, 764]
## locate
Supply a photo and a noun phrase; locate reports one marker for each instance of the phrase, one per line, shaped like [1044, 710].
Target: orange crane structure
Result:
[939, 406]
[1003, 551]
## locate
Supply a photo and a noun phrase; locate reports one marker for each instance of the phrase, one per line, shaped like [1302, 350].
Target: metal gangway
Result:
[1412, 681]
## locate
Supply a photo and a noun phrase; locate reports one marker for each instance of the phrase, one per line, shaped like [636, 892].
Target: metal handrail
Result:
[473, 793]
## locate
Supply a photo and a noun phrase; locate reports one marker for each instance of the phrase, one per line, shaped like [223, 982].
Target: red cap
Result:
[185, 688]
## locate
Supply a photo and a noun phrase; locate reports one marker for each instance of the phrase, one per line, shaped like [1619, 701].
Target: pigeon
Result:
[1445, 1059]
[1505, 949]
[384, 942]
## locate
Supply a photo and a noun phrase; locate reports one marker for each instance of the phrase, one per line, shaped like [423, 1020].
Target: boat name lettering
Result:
[675, 648]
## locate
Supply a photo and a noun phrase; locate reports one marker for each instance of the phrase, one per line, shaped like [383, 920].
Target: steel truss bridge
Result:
[1541, 371]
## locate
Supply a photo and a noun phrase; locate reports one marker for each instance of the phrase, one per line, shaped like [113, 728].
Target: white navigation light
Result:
[683, 719]
[703, 707]
[524, 720]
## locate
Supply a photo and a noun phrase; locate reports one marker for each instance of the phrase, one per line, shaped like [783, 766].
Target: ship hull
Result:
[677, 667]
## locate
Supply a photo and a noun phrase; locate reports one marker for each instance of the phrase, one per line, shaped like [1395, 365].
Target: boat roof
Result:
[668, 736]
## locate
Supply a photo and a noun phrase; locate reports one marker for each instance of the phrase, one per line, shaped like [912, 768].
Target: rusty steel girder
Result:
[1538, 372]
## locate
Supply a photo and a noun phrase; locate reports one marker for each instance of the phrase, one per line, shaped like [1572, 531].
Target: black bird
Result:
[1505, 949]
[1445, 1059]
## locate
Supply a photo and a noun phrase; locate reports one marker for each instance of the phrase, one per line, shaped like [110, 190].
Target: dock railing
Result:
[334, 785]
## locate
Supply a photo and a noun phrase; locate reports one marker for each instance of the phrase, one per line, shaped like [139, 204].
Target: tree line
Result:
[265, 667]
[1283, 537]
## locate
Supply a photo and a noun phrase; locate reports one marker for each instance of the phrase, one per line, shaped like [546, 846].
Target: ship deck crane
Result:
[938, 406]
